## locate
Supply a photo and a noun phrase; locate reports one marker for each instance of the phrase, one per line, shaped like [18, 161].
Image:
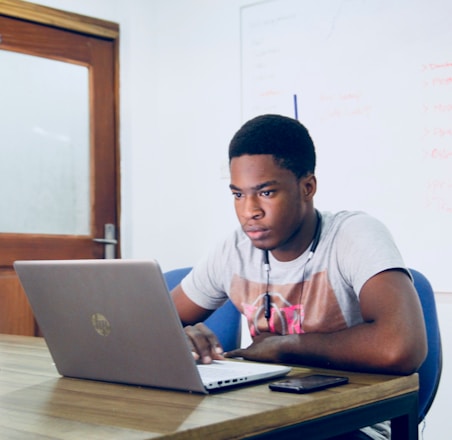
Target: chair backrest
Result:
[430, 370]
[225, 322]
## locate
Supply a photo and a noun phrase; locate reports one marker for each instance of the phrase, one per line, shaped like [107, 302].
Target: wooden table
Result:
[35, 401]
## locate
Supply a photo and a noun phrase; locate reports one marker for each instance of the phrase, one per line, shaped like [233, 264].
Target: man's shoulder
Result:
[341, 216]
[352, 225]
[338, 219]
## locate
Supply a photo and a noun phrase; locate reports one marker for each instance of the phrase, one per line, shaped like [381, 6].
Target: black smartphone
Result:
[307, 384]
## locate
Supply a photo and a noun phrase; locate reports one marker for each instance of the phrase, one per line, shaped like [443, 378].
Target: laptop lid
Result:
[114, 320]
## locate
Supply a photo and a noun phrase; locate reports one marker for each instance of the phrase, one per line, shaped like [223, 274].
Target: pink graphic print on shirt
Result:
[290, 316]
[309, 306]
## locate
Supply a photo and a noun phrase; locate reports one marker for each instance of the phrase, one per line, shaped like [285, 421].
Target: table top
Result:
[35, 400]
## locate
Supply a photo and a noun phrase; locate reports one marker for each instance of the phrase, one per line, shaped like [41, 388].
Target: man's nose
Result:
[252, 208]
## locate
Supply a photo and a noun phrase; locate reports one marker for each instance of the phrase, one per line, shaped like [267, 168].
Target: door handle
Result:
[105, 240]
[109, 241]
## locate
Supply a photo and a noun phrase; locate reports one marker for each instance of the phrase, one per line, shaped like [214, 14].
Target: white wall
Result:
[180, 105]
[180, 99]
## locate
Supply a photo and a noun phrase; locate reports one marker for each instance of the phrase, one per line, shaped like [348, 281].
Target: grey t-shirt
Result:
[320, 295]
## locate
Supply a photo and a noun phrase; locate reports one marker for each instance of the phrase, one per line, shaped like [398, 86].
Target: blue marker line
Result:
[295, 105]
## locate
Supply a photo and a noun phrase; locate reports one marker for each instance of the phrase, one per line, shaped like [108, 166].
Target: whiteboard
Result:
[372, 82]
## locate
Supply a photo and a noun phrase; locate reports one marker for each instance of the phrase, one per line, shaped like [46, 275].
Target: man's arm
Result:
[204, 344]
[391, 340]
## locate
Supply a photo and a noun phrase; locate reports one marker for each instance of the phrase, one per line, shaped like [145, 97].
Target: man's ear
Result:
[308, 186]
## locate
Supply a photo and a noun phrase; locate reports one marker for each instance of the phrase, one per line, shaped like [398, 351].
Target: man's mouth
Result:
[256, 233]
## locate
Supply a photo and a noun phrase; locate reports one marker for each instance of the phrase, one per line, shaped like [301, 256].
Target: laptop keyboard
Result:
[219, 370]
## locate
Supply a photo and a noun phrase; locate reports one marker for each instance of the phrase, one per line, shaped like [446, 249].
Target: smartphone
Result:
[307, 384]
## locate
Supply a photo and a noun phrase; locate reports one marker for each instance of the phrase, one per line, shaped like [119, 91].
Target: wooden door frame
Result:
[105, 33]
[104, 30]
[59, 19]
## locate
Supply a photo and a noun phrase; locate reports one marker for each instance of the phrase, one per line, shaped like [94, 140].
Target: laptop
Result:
[114, 321]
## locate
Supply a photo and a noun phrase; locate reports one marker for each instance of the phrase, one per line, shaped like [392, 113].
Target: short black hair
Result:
[286, 139]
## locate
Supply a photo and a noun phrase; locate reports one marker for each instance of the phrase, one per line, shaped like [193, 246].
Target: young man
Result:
[316, 288]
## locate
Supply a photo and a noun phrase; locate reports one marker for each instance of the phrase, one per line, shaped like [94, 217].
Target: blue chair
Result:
[225, 322]
[430, 370]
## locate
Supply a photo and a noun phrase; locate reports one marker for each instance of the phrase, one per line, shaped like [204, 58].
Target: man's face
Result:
[270, 204]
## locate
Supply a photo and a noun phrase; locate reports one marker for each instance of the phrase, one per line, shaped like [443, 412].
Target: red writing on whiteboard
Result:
[271, 93]
[343, 113]
[348, 104]
[348, 96]
[438, 82]
[436, 66]
[441, 81]
[439, 204]
[438, 132]
[437, 185]
[439, 195]
[439, 108]
[440, 153]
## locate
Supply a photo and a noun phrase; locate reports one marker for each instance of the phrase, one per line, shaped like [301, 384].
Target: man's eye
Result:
[237, 195]
[266, 193]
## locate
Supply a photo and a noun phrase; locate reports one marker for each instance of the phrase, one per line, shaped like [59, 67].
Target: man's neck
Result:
[299, 242]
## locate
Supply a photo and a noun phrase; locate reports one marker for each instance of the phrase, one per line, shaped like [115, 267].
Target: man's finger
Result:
[204, 343]
[237, 353]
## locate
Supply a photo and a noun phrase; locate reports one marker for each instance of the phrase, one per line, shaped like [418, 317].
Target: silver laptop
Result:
[114, 320]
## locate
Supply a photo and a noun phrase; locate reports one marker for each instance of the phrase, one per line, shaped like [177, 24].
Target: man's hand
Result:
[264, 348]
[203, 343]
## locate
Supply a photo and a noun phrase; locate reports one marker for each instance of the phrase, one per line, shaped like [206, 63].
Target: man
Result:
[316, 288]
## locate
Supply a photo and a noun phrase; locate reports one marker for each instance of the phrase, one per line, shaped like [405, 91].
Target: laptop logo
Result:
[101, 324]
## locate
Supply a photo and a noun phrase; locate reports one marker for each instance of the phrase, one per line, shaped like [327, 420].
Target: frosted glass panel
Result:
[44, 146]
